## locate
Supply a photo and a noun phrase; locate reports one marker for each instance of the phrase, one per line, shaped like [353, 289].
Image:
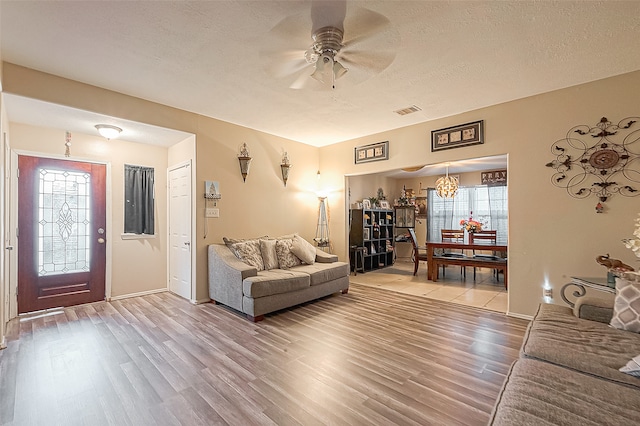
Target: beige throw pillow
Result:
[249, 253]
[269, 255]
[626, 309]
[304, 250]
[286, 259]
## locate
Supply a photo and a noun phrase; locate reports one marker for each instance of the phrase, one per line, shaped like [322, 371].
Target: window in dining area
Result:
[488, 204]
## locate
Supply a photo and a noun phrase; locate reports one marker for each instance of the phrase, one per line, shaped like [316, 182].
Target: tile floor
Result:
[484, 292]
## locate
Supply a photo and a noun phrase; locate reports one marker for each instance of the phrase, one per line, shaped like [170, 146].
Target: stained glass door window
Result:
[64, 222]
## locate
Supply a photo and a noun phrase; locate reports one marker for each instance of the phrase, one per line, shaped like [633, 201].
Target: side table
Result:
[599, 284]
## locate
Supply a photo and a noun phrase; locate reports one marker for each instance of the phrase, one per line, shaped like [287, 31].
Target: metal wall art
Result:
[601, 160]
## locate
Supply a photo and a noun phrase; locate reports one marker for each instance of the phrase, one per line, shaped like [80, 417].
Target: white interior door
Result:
[180, 231]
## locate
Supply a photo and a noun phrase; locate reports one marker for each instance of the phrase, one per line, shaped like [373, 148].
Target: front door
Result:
[61, 233]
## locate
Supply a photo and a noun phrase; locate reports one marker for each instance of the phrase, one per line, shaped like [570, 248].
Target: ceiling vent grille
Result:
[408, 110]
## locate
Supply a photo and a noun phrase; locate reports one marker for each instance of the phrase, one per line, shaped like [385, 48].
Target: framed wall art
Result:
[458, 136]
[372, 152]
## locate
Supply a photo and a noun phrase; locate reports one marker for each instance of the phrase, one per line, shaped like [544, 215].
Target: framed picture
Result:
[421, 207]
[366, 204]
[366, 234]
[372, 152]
[457, 136]
[384, 204]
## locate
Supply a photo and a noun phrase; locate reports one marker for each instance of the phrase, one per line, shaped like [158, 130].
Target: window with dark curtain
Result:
[138, 200]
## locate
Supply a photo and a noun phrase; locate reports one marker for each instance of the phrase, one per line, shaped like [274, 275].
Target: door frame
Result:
[187, 163]
[13, 304]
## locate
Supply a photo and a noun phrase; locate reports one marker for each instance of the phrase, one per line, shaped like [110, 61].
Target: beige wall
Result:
[4, 283]
[552, 235]
[259, 206]
[137, 265]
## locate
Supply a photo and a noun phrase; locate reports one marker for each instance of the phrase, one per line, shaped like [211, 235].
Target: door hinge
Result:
[17, 172]
[17, 232]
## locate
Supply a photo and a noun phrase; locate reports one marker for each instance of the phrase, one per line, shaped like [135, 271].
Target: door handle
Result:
[187, 243]
[101, 240]
[8, 248]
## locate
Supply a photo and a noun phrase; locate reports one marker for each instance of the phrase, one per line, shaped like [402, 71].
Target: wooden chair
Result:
[453, 236]
[418, 255]
[486, 237]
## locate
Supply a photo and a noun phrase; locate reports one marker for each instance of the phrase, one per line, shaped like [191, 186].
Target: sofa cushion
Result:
[275, 281]
[626, 308]
[249, 252]
[557, 336]
[286, 259]
[229, 241]
[322, 272]
[269, 255]
[539, 393]
[303, 250]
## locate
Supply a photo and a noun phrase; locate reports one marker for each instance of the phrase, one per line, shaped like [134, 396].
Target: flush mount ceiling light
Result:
[108, 131]
[447, 186]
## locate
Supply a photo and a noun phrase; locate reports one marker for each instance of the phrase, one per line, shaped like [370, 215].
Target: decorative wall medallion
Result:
[609, 166]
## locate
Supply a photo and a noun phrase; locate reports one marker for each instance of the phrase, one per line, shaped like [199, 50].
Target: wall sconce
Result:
[284, 167]
[245, 161]
[108, 131]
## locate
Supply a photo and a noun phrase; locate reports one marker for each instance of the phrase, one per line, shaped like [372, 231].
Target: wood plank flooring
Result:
[370, 357]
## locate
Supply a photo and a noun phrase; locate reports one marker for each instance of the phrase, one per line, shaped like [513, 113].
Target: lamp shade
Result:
[108, 131]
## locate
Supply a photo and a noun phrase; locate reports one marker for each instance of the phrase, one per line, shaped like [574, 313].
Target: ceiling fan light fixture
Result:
[324, 67]
[338, 69]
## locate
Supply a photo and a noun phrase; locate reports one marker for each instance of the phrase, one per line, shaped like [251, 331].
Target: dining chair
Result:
[484, 237]
[453, 236]
[418, 255]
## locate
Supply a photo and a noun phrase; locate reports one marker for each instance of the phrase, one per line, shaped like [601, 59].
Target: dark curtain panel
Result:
[138, 195]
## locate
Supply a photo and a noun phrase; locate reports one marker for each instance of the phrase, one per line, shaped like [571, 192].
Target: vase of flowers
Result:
[470, 225]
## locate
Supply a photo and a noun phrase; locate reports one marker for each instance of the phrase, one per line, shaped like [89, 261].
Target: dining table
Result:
[472, 260]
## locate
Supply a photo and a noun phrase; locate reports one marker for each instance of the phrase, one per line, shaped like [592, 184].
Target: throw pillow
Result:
[626, 308]
[249, 253]
[229, 241]
[286, 259]
[269, 255]
[304, 250]
[632, 367]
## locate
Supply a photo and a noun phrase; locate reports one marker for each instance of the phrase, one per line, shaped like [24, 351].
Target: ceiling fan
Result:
[359, 43]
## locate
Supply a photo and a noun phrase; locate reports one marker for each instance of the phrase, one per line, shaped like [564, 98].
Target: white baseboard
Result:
[3, 343]
[142, 293]
[200, 301]
[521, 316]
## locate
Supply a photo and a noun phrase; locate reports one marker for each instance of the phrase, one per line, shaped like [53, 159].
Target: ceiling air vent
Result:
[408, 110]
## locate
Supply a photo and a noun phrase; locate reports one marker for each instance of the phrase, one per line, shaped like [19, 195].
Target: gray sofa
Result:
[568, 370]
[242, 287]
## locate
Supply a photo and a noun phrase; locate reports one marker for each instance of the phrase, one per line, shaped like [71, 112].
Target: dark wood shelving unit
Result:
[373, 230]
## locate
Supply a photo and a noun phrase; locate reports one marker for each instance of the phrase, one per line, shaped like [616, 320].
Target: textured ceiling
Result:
[230, 59]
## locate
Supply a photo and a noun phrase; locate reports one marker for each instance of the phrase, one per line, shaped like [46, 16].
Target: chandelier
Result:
[447, 186]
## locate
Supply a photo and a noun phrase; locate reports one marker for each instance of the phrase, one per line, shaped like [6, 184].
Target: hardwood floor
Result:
[370, 357]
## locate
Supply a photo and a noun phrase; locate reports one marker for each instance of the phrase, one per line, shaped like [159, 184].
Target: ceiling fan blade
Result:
[362, 24]
[374, 61]
[292, 29]
[283, 63]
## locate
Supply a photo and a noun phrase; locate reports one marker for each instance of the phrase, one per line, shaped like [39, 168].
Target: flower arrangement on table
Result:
[471, 225]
